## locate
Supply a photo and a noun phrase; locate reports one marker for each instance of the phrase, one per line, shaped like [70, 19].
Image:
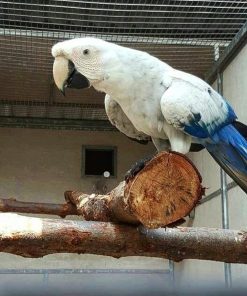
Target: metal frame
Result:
[115, 38]
[181, 33]
[224, 197]
[82, 271]
[68, 271]
[217, 193]
[230, 52]
[57, 124]
[103, 125]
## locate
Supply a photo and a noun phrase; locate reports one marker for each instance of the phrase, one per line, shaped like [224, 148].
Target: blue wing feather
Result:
[199, 129]
[191, 105]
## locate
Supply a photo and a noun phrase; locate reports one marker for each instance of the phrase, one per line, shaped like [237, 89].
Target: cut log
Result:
[36, 237]
[163, 192]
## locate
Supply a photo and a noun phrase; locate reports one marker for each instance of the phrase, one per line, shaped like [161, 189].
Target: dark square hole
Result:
[97, 161]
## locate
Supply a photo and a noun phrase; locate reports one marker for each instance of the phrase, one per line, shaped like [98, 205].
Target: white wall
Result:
[209, 214]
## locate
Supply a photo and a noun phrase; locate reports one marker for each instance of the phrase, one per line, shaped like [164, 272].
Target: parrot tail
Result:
[229, 149]
[241, 128]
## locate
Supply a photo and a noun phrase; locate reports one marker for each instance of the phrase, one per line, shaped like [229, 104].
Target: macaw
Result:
[147, 98]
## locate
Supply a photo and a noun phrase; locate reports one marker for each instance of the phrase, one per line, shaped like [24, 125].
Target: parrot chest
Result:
[146, 116]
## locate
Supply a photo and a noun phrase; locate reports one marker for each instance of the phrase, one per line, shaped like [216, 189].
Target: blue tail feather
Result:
[229, 149]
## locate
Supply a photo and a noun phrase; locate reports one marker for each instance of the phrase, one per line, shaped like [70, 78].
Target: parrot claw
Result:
[136, 168]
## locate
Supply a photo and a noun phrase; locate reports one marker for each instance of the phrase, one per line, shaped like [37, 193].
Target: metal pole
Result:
[171, 269]
[224, 199]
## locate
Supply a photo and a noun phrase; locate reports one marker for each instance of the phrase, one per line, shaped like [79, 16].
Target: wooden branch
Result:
[36, 237]
[13, 205]
[163, 192]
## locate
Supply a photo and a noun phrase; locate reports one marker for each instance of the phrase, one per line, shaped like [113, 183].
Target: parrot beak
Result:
[66, 75]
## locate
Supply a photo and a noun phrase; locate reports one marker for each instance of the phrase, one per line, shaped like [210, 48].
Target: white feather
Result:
[150, 97]
[118, 118]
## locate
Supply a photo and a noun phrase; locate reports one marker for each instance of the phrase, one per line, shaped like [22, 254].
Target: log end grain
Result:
[165, 191]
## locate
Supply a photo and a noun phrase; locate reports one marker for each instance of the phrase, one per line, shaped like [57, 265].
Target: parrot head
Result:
[80, 63]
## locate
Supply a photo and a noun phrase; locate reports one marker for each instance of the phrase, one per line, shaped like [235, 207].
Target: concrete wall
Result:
[209, 214]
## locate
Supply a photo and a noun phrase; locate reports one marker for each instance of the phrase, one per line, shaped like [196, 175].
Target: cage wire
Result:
[185, 34]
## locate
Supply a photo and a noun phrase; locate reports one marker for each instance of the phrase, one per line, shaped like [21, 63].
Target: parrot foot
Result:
[136, 168]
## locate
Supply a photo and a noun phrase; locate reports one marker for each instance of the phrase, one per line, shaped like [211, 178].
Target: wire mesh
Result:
[184, 33]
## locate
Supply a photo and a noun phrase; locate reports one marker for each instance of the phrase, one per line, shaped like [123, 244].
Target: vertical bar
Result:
[171, 269]
[224, 199]
[45, 278]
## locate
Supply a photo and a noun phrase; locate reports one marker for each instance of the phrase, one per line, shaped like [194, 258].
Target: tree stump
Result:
[163, 192]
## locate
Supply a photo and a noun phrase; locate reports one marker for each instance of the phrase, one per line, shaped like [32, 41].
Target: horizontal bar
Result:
[84, 271]
[216, 193]
[143, 22]
[58, 124]
[206, 1]
[163, 27]
[111, 37]
[230, 52]
[193, 14]
[57, 104]
[115, 4]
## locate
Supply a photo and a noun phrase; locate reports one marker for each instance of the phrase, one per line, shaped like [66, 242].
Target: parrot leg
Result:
[160, 145]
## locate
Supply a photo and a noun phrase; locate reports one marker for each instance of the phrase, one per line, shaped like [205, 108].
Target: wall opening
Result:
[97, 160]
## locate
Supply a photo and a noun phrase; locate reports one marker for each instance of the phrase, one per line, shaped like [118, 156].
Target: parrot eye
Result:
[85, 51]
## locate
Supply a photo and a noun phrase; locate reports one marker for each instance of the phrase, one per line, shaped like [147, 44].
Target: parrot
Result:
[145, 98]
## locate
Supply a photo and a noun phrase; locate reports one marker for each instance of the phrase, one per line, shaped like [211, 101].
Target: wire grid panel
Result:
[186, 34]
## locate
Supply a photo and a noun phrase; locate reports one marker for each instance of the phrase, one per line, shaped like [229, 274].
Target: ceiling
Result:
[189, 35]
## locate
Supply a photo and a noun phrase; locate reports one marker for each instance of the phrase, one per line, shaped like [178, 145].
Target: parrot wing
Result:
[192, 106]
[119, 119]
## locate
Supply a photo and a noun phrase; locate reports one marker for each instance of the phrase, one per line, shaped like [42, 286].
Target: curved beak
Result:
[66, 75]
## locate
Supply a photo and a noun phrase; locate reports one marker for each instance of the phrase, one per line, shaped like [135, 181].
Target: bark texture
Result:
[13, 205]
[163, 192]
[36, 237]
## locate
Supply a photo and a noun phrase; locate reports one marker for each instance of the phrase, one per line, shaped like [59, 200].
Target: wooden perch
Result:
[13, 205]
[163, 192]
[36, 237]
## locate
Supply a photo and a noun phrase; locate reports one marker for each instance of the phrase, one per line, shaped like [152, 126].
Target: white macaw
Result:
[146, 97]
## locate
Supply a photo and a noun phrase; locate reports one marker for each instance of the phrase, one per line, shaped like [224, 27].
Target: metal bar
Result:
[99, 30]
[225, 223]
[230, 52]
[224, 197]
[171, 270]
[58, 124]
[224, 200]
[112, 37]
[216, 193]
[142, 22]
[99, 3]
[84, 271]
[56, 104]
[145, 4]
[193, 15]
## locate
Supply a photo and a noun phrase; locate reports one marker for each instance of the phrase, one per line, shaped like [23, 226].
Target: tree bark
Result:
[163, 192]
[37, 237]
[13, 205]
